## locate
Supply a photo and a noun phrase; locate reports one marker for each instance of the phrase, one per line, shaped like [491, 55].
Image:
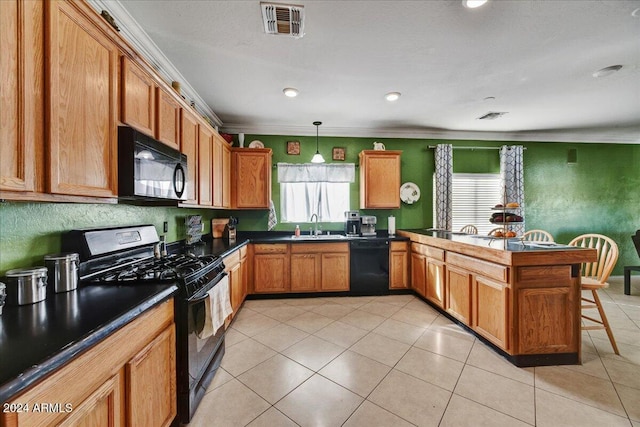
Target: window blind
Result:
[474, 195]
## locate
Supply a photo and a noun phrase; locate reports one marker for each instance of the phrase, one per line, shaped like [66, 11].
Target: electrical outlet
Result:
[165, 227]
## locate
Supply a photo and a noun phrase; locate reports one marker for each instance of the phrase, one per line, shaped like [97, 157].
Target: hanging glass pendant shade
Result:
[317, 158]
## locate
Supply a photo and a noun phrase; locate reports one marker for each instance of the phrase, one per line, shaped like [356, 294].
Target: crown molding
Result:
[627, 135]
[133, 33]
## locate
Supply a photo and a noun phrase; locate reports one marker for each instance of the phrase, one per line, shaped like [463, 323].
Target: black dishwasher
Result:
[369, 267]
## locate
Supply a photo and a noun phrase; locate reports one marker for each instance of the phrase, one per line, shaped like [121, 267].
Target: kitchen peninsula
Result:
[522, 297]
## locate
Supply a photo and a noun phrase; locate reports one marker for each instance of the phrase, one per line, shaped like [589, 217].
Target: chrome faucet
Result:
[315, 230]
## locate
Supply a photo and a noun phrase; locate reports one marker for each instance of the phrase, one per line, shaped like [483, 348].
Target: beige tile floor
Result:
[394, 361]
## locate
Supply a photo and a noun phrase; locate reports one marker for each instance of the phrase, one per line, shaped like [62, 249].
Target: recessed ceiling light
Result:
[606, 71]
[392, 96]
[291, 92]
[472, 4]
[636, 13]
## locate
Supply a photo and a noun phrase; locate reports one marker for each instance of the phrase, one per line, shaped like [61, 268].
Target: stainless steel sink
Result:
[320, 237]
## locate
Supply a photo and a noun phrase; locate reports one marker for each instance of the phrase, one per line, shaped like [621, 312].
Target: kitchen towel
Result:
[273, 220]
[217, 307]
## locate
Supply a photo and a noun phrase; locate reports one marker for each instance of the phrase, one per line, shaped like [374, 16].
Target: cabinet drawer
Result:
[429, 251]
[544, 276]
[485, 268]
[231, 260]
[398, 246]
[299, 248]
[270, 248]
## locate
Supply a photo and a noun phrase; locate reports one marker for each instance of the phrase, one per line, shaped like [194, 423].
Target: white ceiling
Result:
[536, 57]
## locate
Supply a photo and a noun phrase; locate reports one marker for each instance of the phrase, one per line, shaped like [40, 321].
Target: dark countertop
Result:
[507, 244]
[36, 339]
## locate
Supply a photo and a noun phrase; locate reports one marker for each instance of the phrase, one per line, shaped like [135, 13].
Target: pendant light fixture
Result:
[317, 158]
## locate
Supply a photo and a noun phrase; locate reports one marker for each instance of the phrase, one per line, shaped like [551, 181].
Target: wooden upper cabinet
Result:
[21, 95]
[205, 162]
[221, 177]
[379, 179]
[167, 119]
[251, 184]
[81, 104]
[138, 98]
[189, 147]
[226, 176]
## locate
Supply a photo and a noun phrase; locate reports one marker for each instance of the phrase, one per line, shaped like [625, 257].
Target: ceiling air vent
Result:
[492, 115]
[283, 19]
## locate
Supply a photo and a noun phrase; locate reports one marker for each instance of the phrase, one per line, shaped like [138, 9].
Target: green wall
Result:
[600, 194]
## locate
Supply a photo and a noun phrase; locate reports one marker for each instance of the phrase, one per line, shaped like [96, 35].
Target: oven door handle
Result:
[198, 300]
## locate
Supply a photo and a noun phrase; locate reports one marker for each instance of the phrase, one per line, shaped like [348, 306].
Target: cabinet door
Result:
[217, 171]
[138, 98]
[398, 266]
[251, 188]
[379, 179]
[235, 285]
[418, 272]
[458, 294]
[490, 310]
[82, 76]
[335, 272]
[226, 175]
[189, 147]
[104, 408]
[151, 382]
[435, 285]
[305, 272]
[21, 94]
[205, 162]
[271, 272]
[167, 119]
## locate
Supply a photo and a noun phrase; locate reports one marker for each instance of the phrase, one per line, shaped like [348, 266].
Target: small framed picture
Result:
[293, 148]
[338, 153]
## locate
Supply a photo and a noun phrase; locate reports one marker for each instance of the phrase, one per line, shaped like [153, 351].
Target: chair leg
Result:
[605, 321]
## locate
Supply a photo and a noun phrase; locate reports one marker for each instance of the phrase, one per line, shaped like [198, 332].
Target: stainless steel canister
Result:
[26, 285]
[63, 271]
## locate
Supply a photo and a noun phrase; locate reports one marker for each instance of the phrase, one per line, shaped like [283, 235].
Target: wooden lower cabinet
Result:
[129, 378]
[435, 283]
[335, 271]
[151, 383]
[418, 273]
[399, 265]
[491, 310]
[306, 272]
[102, 409]
[236, 268]
[271, 268]
[458, 294]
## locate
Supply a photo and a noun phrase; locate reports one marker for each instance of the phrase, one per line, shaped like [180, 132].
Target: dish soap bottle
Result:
[297, 232]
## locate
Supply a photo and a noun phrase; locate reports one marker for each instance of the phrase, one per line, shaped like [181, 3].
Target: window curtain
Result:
[443, 180]
[512, 179]
[309, 172]
[307, 189]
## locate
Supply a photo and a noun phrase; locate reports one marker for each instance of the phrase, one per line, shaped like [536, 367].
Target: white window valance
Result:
[309, 172]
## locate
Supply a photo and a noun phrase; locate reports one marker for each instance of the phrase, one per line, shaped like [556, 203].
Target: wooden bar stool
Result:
[594, 277]
[537, 236]
[469, 229]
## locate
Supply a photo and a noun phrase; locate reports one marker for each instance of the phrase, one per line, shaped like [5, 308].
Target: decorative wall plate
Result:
[409, 193]
[256, 144]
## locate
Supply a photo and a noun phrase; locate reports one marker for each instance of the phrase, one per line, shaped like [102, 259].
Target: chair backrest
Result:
[501, 229]
[469, 229]
[607, 255]
[537, 236]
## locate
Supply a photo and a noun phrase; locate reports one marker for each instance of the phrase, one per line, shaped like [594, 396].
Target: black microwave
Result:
[149, 170]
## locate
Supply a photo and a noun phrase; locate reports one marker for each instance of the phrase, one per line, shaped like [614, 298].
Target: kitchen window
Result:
[473, 196]
[307, 189]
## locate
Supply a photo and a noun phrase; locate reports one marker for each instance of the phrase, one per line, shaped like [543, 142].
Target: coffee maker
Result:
[352, 223]
[368, 225]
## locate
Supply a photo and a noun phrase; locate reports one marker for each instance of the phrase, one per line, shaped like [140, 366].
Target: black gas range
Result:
[130, 256]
